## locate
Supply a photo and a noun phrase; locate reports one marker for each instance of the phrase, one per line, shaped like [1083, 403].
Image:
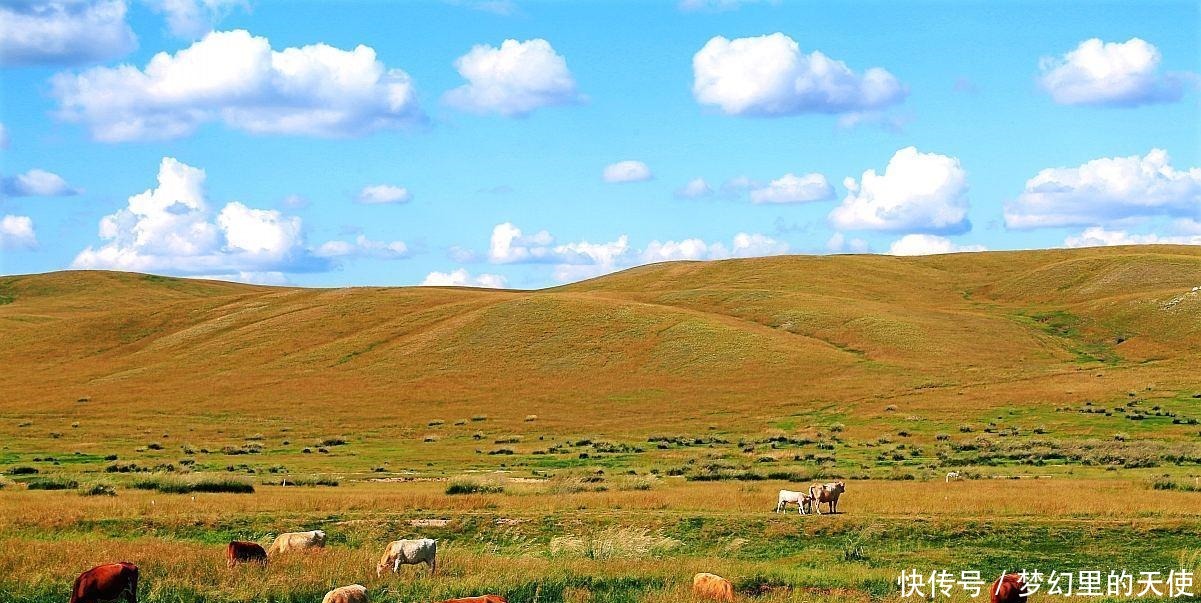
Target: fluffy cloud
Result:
[1100, 237]
[1122, 74]
[926, 244]
[743, 245]
[627, 171]
[383, 193]
[513, 80]
[37, 183]
[171, 229]
[363, 247]
[694, 189]
[63, 32]
[191, 19]
[16, 232]
[791, 188]
[924, 192]
[578, 260]
[237, 79]
[1107, 190]
[839, 243]
[770, 76]
[462, 278]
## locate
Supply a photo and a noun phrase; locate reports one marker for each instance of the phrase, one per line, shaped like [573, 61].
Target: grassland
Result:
[604, 440]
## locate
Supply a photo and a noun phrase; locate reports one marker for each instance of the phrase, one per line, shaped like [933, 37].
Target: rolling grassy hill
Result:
[97, 360]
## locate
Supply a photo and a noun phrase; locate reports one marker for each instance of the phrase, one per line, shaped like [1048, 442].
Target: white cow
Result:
[409, 552]
[952, 475]
[802, 500]
[355, 593]
[297, 541]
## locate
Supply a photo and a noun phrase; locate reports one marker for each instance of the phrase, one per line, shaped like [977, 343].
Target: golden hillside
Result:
[737, 342]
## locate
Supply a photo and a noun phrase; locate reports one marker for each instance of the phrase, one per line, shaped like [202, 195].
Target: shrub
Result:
[478, 418]
[429, 437]
[436, 423]
[531, 418]
[99, 490]
[466, 485]
[22, 470]
[154, 446]
[333, 442]
[185, 486]
[52, 483]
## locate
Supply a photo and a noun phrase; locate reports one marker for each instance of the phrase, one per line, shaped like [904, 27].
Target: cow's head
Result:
[840, 487]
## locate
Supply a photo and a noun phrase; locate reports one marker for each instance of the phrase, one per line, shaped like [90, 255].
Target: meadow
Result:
[605, 440]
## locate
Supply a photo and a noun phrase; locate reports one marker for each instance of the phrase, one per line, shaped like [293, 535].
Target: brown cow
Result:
[479, 599]
[1009, 588]
[712, 586]
[355, 593]
[108, 582]
[240, 551]
[826, 493]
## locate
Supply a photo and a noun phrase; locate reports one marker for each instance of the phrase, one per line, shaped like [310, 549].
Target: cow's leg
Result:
[433, 563]
[131, 595]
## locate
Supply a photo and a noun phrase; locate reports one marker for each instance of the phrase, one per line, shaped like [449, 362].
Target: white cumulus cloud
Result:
[463, 278]
[361, 246]
[172, 229]
[513, 80]
[379, 194]
[37, 183]
[237, 79]
[1100, 237]
[16, 232]
[770, 76]
[1107, 190]
[743, 245]
[627, 171]
[1123, 74]
[191, 19]
[791, 188]
[927, 244]
[694, 189]
[63, 32]
[924, 192]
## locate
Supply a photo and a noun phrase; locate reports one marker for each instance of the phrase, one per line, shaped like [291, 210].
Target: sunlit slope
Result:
[738, 342]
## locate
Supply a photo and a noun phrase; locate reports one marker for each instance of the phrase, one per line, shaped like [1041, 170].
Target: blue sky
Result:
[1002, 125]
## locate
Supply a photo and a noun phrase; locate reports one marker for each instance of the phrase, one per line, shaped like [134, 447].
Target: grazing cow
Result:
[297, 541]
[240, 551]
[712, 586]
[408, 552]
[355, 593]
[479, 599]
[952, 475]
[801, 499]
[109, 582]
[1009, 588]
[826, 493]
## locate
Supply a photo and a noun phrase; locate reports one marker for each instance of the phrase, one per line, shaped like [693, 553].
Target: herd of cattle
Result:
[116, 581]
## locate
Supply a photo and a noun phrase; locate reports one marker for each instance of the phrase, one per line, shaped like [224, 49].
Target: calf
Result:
[408, 552]
[239, 551]
[712, 586]
[355, 593]
[109, 582]
[1009, 588]
[801, 499]
[298, 541]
